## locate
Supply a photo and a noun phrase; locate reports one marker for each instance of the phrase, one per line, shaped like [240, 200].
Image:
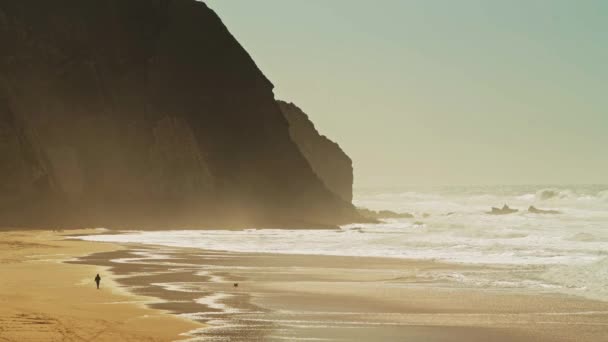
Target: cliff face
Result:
[143, 113]
[328, 161]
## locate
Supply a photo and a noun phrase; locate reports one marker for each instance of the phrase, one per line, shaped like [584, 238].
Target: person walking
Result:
[97, 280]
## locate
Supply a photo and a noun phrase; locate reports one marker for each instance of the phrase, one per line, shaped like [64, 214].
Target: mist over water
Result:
[459, 229]
[565, 252]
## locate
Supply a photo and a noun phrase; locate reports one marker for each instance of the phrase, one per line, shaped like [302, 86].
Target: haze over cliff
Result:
[327, 159]
[145, 113]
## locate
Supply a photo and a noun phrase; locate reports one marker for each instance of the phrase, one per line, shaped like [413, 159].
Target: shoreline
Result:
[161, 293]
[44, 298]
[300, 297]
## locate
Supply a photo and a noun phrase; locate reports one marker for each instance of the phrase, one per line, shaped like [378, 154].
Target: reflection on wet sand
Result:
[320, 298]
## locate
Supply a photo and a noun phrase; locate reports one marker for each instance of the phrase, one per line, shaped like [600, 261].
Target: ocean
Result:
[565, 252]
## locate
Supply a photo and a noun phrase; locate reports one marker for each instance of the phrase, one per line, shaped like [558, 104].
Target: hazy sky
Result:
[442, 91]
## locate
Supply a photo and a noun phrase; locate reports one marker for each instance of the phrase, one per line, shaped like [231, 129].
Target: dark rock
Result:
[327, 159]
[505, 210]
[532, 209]
[382, 214]
[144, 113]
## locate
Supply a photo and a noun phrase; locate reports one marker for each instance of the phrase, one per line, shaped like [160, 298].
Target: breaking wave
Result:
[546, 194]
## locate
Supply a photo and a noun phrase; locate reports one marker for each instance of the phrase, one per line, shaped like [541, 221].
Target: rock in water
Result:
[144, 113]
[382, 214]
[532, 209]
[505, 210]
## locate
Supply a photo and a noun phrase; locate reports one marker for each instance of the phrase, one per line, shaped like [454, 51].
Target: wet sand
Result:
[44, 299]
[327, 298]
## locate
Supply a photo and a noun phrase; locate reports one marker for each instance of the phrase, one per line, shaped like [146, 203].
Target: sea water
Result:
[565, 252]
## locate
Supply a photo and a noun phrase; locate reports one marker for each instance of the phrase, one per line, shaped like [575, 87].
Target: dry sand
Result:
[43, 299]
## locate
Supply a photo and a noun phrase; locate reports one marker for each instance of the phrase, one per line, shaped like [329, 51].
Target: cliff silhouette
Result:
[147, 114]
[327, 159]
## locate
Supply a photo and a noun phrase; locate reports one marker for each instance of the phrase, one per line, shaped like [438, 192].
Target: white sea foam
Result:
[571, 248]
[180, 287]
[214, 301]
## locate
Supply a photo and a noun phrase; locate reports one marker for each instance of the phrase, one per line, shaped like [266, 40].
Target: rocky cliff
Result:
[144, 113]
[328, 161]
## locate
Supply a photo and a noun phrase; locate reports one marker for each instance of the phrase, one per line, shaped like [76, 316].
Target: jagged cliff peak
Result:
[327, 159]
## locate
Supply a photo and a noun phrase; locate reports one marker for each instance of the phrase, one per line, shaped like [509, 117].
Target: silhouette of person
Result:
[97, 280]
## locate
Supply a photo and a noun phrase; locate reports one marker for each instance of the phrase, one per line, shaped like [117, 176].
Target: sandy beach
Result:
[332, 298]
[303, 171]
[47, 293]
[44, 299]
